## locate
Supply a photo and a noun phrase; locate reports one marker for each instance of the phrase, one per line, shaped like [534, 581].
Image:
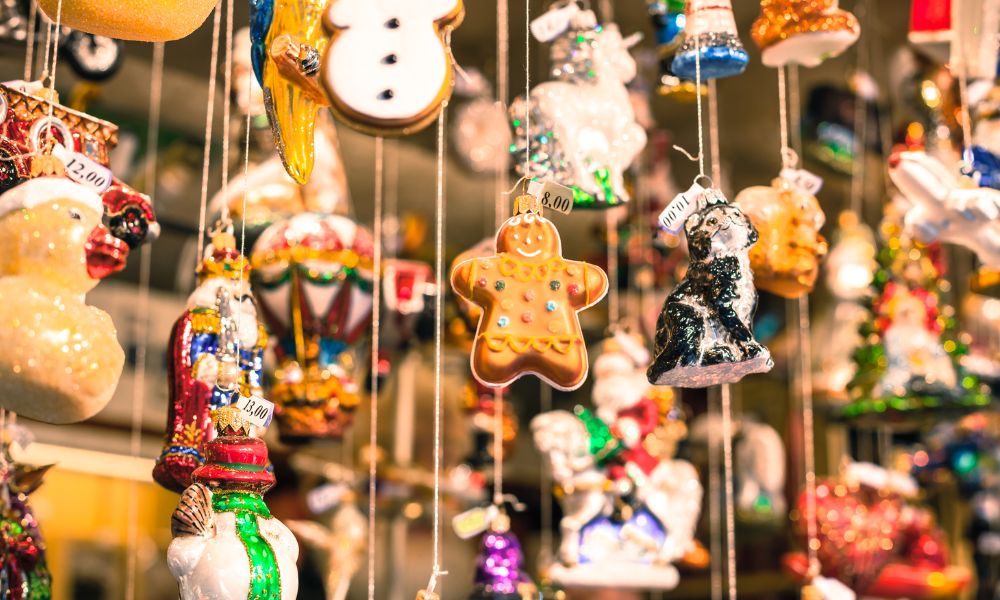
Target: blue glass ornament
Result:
[987, 165]
[723, 56]
[261, 16]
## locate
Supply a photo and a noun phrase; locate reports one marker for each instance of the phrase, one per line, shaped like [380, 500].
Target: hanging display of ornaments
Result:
[53, 250]
[704, 335]
[804, 32]
[530, 296]
[222, 517]
[287, 42]
[630, 508]
[216, 353]
[312, 277]
[710, 36]
[389, 68]
[947, 208]
[140, 21]
[582, 130]
[785, 260]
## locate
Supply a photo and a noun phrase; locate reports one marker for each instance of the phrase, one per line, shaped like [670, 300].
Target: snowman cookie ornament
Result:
[388, 69]
[530, 296]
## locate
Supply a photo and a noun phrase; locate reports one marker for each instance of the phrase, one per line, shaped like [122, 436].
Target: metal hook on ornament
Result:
[704, 181]
[692, 158]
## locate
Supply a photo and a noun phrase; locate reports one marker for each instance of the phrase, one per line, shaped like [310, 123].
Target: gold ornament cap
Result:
[229, 420]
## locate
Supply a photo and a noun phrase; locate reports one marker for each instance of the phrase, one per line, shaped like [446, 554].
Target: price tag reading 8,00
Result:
[553, 196]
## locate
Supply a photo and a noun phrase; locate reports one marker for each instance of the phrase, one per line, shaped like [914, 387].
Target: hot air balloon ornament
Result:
[313, 279]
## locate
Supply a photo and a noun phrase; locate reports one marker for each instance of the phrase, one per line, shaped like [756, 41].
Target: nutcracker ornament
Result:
[222, 517]
[874, 540]
[703, 335]
[711, 43]
[24, 574]
[804, 32]
[530, 296]
[582, 129]
[216, 353]
[785, 260]
[313, 279]
[946, 207]
[53, 250]
[389, 68]
[142, 21]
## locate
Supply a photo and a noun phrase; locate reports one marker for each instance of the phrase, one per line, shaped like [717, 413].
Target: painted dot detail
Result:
[500, 285]
[554, 285]
[528, 317]
[529, 295]
[550, 305]
[573, 289]
[482, 282]
[503, 322]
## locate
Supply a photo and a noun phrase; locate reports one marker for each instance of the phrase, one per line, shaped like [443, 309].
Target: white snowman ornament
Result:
[226, 545]
[388, 69]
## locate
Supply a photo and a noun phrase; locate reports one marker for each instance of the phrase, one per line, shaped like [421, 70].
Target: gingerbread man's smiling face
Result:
[530, 237]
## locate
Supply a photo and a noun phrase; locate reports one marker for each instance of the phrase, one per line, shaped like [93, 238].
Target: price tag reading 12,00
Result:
[83, 170]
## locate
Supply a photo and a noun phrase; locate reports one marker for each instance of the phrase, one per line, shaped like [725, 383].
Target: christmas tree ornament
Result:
[341, 544]
[389, 68]
[628, 511]
[874, 540]
[287, 41]
[136, 20]
[930, 27]
[582, 129]
[946, 208]
[703, 335]
[68, 143]
[500, 568]
[216, 353]
[312, 277]
[222, 517]
[59, 358]
[530, 296]
[710, 37]
[785, 260]
[803, 32]
[24, 573]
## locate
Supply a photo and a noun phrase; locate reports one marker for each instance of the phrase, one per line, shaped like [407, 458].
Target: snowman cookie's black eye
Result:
[392, 23]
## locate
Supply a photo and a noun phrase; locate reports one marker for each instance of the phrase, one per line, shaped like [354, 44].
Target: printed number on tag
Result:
[553, 196]
[550, 25]
[680, 208]
[256, 409]
[83, 170]
[474, 522]
[325, 497]
[809, 183]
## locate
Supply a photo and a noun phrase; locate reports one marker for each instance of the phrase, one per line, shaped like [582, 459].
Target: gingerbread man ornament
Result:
[530, 296]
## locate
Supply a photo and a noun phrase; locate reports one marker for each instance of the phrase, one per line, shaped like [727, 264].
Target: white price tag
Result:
[553, 23]
[475, 521]
[325, 497]
[809, 183]
[256, 409]
[83, 170]
[832, 589]
[680, 208]
[552, 195]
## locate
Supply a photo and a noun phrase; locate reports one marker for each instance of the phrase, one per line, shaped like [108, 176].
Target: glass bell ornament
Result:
[803, 32]
[710, 31]
[703, 334]
[136, 20]
[500, 568]
[59, 358]
[226, 545]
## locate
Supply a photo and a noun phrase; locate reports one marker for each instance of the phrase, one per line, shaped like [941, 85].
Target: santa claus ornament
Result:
[389, 69]
[59, 358]
[226, 544]
[803, 32]
[137, 20]
[313, 280]
[711, 47]
[703, 334]
[785, 260]
[216, 353]
[530, 296]
[582, 129]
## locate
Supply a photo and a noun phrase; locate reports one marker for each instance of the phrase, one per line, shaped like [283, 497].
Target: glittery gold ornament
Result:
[804, 32]
[59, 358]
[139, 20]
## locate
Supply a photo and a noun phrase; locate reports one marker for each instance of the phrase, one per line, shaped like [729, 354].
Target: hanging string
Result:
[503, 93]
[614, 301]
[47, 48]
[963, 93]
[527, 87]
[607, 11]
[808, 434]
[860, 125]
[439, 282]
[713, 133]
[794, 108]
[140, 321]
[545, 485]
[789, 158]
[227, 91]
[373, 402]
[29, 54]
[209, 119]
[52, 72]
[727, 465]
[697, 83]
